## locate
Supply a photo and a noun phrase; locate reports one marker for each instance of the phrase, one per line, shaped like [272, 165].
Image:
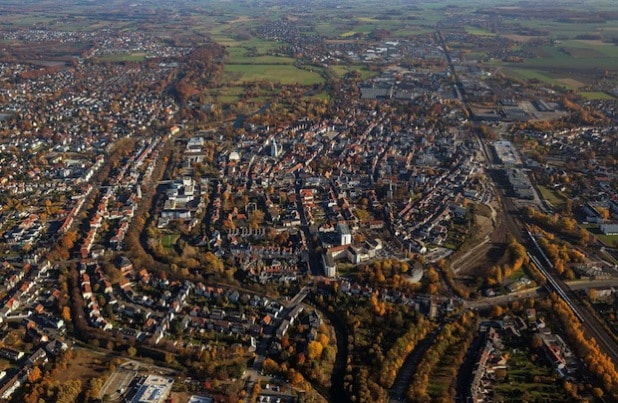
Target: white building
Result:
[330, 266]
[275, 149]
[345, 236]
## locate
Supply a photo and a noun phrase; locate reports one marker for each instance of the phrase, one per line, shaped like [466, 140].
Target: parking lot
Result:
[119, 381]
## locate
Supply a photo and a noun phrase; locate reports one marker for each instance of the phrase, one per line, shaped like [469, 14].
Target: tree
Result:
[256, 219]
[500, 374]
[497, 311]
[537, 342]
[34, 375]
[66, 314]
[314, 350]
[95, 387]
[323, 339]
[270, 367]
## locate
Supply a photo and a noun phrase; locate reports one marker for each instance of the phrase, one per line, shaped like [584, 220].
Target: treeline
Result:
[559, 224]
[290, 105]
[580, 115]
[515, 255]
[458, 288]
[587, 348]
[401, 349]
[560, 255]
[365, 388]
[313, 360]
[377, 334]
[444, 357]
[486, 132]
[202, 68]
[385, 272]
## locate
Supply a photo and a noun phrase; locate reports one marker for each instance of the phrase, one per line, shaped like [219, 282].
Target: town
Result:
[415, 225]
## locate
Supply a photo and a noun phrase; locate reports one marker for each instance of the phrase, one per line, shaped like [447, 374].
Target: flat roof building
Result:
[154, 389]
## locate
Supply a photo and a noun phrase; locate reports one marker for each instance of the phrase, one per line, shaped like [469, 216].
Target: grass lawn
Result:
[168, 241]
[343, 70]
[554, 198]
[325, 29]
[346, 269]
[475, 55]
[413, 30]
[441, 378]
[518, 275]
[608, 240]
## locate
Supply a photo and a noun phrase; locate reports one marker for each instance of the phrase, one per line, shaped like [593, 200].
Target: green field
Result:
[124, 57]
[244, 59]
[567, 30]
[284, 74]
[341, 71]
[532, 74]
[596, 48]
[558, 57]
[478, 31]
[554, 198]
[565, 59]
[256, 52]
[168, 241]
[597, 96]
[228, 95]
[400, 22]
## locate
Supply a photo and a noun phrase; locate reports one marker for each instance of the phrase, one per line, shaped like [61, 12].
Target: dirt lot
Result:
[86, 365]
[486, 249]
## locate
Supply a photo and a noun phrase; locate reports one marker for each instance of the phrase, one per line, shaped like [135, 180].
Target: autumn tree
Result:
[34, 375]
[314, 350]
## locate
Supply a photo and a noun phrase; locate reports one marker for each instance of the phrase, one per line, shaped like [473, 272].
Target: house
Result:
[11, 354]
[592, 214]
